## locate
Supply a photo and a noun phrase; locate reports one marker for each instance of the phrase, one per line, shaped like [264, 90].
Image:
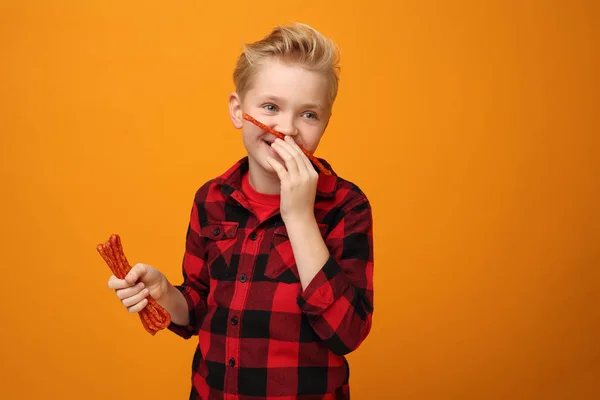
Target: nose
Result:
[287, 127]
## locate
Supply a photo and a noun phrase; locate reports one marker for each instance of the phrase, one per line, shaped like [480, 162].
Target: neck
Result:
[263, 181]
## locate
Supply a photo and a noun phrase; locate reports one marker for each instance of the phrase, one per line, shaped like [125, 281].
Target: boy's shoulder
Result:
[225, 183]
[339, 190]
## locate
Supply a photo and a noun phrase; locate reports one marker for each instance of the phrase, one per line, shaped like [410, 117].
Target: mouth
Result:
[264, 127]
[269, 143]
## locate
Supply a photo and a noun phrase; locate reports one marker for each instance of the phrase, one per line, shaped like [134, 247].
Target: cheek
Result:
[311, 141]
[250, 133]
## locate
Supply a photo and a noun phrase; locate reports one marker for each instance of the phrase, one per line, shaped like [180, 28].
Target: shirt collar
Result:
[231, 180]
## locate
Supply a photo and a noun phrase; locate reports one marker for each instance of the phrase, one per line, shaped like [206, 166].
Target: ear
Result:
[235, 110]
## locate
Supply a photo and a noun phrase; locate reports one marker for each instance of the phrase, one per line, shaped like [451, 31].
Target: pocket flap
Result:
[219, 230]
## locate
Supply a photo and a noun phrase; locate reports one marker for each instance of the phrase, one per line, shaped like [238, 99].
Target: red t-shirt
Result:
[262, 204]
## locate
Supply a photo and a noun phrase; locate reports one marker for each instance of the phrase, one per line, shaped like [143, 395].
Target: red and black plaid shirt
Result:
[260, 335]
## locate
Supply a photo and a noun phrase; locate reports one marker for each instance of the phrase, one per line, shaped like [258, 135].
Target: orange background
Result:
[472, 125]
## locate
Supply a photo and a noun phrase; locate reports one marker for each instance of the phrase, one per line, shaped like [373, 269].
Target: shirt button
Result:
[253, 236]
[231, 362]
[243, 278]
[234, 321]
[217, 231]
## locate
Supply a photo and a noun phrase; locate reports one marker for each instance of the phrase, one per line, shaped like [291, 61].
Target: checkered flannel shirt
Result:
[260, 335]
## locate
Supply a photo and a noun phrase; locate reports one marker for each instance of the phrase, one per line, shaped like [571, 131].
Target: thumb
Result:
[136, 273]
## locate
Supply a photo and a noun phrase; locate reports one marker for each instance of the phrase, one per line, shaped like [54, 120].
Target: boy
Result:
[278, 263]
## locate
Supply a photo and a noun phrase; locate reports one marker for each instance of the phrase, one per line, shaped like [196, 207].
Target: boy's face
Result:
[287, 98]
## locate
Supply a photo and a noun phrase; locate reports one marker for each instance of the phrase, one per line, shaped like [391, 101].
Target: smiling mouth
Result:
[275, 133]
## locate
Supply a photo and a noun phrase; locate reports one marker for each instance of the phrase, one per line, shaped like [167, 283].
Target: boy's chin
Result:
[264, 165]
[269, 169]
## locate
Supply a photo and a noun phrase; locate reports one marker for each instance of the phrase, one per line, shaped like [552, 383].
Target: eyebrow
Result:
[280, 100]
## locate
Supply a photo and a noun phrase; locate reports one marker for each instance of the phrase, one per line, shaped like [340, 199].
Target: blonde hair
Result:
[296, 43]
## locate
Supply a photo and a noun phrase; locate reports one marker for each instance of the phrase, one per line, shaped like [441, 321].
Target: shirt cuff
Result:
[184, 331]
[324, 289]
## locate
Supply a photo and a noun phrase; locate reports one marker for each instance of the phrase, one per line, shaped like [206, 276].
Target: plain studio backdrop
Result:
[471, 125]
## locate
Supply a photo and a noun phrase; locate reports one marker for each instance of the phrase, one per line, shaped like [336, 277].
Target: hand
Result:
[298, 180]
[141, 281]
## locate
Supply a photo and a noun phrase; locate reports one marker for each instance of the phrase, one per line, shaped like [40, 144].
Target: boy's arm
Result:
[337, 281]
[195, 286]
[310, 251]
[174, 302]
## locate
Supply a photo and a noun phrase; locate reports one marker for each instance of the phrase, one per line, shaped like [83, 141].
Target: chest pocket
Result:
[281, 264]
[220, 238]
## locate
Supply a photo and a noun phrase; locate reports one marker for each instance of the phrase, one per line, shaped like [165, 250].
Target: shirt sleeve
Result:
[339, 299]
[196, 283]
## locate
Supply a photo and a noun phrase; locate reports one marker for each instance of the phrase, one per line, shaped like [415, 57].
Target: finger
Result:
[281, 172]
[133, 300]
[116, 283]
[304, 165]
[130, 291]
[138, 307]
[286, 153]
[300, 156]
[136, 273]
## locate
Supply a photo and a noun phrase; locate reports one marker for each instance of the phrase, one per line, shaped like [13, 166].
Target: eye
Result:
[310, 115]
[270, 107]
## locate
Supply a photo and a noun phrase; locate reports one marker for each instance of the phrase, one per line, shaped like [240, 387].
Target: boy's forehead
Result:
[288, 81]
